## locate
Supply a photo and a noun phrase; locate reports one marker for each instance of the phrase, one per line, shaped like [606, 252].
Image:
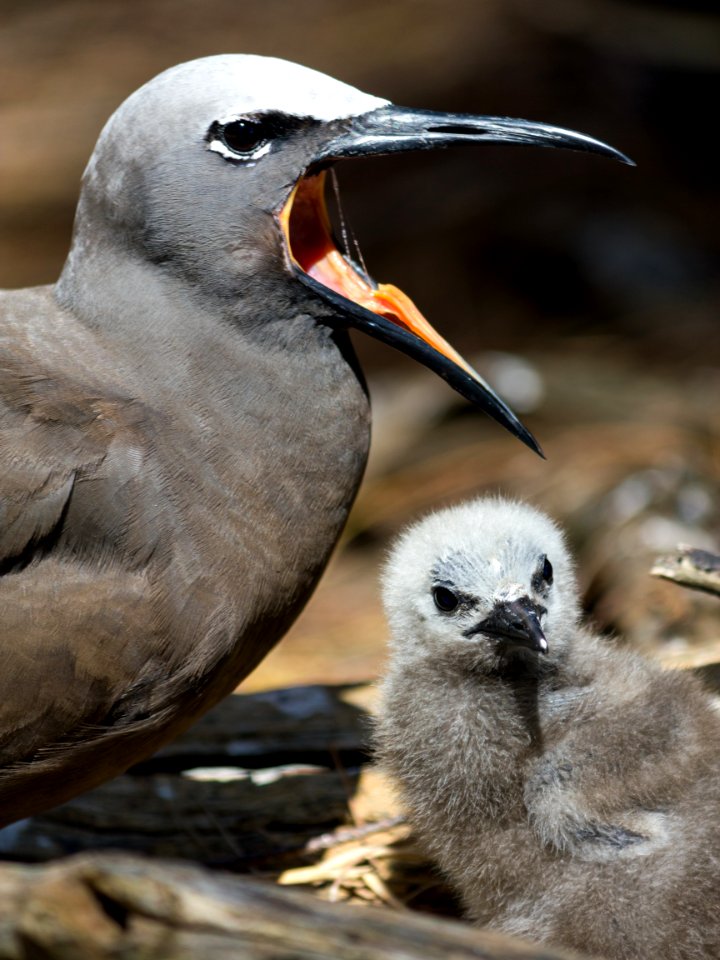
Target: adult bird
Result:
[183, 424]
[569, 789]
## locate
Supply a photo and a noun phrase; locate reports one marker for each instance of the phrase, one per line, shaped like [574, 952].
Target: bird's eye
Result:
[547, 571]
[445, 599]
[242, 136]
[245, 139]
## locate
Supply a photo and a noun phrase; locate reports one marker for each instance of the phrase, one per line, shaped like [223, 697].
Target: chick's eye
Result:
[547, 571]
[242, 136]
[445, 599]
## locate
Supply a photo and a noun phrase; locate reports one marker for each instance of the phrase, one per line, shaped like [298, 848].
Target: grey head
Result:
[481, 585]
[192, 170]
[211, 179]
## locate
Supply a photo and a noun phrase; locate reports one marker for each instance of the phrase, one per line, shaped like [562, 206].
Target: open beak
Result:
[382, 310]
[516, 622]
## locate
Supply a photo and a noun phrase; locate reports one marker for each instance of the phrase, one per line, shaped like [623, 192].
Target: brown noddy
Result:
[184, 425]
[568, 788]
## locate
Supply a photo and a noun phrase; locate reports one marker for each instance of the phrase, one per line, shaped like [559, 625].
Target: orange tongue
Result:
[307, 230]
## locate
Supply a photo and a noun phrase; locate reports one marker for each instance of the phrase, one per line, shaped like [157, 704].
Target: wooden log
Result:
[120, 906]
[255, 819]
[305, 723]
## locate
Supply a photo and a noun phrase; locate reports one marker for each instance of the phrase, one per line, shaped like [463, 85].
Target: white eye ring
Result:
[217, 146]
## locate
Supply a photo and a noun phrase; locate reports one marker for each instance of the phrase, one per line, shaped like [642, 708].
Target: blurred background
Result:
[586, 291]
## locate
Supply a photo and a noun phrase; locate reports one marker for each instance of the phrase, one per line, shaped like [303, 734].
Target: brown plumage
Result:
[183, 425]
[571, 796]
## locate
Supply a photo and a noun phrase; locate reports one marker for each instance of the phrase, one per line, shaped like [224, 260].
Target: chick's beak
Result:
[382, 310]
[517, 621]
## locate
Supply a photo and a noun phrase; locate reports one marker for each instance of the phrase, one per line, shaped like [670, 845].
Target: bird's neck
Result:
[163, 326]
[480, 727]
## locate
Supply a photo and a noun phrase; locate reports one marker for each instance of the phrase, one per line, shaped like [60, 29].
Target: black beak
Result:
[517, 621]
[383, 311]
[394, 129]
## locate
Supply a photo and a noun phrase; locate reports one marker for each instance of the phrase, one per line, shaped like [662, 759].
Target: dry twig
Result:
[690, 567]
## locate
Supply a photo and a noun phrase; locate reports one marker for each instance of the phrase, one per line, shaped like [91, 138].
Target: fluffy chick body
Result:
[571, 797]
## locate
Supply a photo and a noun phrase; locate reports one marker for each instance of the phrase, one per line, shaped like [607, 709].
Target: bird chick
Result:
[568, 789]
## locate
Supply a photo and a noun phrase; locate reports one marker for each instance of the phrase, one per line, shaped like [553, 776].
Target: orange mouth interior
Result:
[308, 234]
